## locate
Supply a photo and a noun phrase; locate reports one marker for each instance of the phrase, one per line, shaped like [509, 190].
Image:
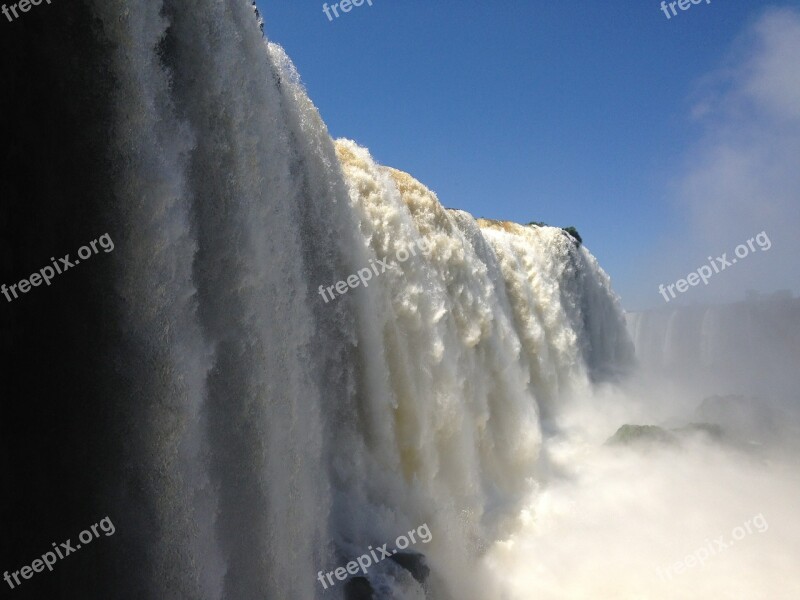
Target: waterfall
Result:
[748, 347]
[254, 433]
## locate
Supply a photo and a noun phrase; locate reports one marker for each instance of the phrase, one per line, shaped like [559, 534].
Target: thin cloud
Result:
[742, 177]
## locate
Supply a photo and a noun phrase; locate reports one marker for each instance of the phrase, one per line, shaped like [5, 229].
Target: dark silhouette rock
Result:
[414, 563]
[573, 233]
[358, 588]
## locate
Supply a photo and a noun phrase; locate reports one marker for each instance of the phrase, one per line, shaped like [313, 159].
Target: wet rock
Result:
[640, 434]
[414, 563]
[358, 588]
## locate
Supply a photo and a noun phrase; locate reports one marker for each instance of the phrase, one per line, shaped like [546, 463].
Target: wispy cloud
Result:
[743, 175]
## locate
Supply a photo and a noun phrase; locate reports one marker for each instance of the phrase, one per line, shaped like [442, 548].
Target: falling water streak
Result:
[168, 357]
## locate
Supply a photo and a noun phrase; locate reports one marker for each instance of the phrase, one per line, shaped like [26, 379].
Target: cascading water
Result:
[748, 347]
[258, 434]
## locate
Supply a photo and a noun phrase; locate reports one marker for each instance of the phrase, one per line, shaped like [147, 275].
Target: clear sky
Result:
[585, 113]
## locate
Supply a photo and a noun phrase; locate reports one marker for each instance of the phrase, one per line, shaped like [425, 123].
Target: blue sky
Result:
[578, 113]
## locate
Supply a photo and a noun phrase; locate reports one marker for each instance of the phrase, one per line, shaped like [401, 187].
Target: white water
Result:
[286, 435]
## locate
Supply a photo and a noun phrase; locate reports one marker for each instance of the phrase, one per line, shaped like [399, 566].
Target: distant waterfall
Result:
[256, 432]
[748, 347]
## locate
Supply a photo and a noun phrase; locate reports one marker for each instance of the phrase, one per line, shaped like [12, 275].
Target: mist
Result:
[620, 522]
